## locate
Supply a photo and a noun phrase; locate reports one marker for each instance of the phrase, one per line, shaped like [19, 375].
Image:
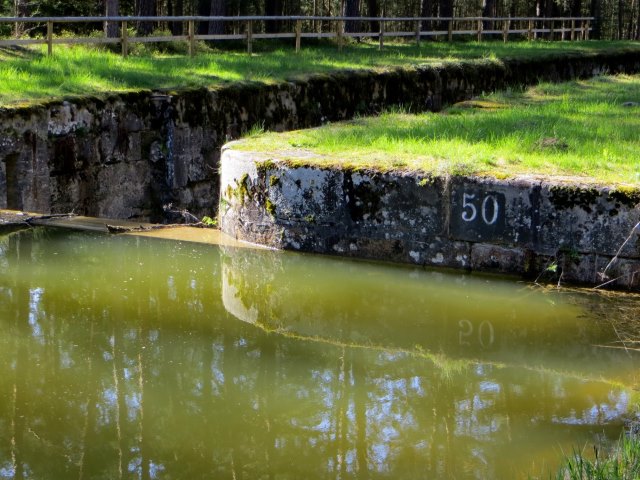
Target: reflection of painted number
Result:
[490, 208]
[466, 330]
[469, 216]
[486, 334]
[495, 208]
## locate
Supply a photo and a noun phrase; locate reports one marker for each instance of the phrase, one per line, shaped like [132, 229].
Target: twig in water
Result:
[603, 275]
[608, 281]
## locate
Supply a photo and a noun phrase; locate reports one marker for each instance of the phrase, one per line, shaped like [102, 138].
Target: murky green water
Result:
[125, 357]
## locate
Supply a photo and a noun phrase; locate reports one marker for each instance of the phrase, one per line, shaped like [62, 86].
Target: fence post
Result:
[381, 37]
[249, 37]
[573, 30]
[124, 39]
[418, 33]
[339, 31]
[450, 30]
[551, 30]
[530, 36]
[586, 30]
[192, 38]
[505, 31]
[49, 37]
[298, 34]
[479, 30]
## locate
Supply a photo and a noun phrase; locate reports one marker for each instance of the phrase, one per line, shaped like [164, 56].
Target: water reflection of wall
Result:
[459, 317]
[136, 369]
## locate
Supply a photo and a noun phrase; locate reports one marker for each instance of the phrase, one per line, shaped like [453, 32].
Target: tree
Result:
[638, 24]
[426, 10]
[576, 8]
[272, 8]
[212, 8]
[620, 19]
[20, 9]
[176, 8]
[352, 9]
[373, 11]
[145, 8]
[112, 9]
[488, 10]
[445, 10]
[596, 13]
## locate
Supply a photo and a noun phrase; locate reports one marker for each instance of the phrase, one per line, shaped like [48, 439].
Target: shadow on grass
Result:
[81, 70]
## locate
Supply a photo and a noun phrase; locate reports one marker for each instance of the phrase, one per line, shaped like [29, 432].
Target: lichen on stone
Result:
[571, 196]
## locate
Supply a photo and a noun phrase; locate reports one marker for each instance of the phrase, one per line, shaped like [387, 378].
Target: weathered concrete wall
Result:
[523, 225]
[125, 156]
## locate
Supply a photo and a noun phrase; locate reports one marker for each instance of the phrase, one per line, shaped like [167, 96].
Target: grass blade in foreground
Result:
[623, 463]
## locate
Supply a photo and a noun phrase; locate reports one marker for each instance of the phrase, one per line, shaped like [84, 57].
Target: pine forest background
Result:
[614, 19]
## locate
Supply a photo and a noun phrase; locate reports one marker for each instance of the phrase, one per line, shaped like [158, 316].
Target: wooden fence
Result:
[249, 29]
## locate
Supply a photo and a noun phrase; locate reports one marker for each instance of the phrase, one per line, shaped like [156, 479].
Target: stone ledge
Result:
[128, 155]
[538, 228]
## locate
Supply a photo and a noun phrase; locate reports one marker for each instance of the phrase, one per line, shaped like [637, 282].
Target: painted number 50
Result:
[489, 208]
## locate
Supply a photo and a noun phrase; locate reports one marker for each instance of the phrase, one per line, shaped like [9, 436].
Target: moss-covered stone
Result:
[571, 196]
[627, 196]
[270, 207]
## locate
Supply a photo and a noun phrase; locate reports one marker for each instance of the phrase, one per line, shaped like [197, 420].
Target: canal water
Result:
[129, 357]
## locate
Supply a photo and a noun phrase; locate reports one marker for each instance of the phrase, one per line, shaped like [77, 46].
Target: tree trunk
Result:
[576, 8]
[211, 8]
[111, 9]
[176, 8]
[145, 8]
[596, 13]
[445, 10]
[272, 8]
[372, 9]
[20, 9]
[488, 10]
[630, 25]
[550, 13]
[217, 9]
[550, 8]
[638, 24]
[426, 10]
[352, 9]
[620, 19]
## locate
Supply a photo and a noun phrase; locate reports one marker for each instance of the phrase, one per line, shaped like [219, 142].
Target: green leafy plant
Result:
[209, 222]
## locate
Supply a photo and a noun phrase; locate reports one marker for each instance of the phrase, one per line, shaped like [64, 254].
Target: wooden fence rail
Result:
[249, 29]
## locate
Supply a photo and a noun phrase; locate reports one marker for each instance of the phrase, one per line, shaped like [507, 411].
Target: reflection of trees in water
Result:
[137, 370]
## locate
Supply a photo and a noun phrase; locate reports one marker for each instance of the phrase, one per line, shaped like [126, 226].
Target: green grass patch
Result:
[580, 128]
[622, 463]
[28, 75]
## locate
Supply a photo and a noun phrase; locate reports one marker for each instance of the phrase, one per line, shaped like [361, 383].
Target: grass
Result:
[28, 75]
[623, 463]
[578, 129]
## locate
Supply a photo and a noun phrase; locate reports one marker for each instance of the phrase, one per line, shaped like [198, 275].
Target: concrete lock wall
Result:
[528, 226]
[128, 155]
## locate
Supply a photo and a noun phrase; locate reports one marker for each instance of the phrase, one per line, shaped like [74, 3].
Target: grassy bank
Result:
[581, 128]
[28, 75]
[622, 463]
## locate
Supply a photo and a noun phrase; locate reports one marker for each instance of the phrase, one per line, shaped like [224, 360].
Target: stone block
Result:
[496, 211]
[588, 219]
[499, 259]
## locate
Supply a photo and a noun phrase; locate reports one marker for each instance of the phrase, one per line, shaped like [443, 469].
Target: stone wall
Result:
[535, 228]
[127, 155]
